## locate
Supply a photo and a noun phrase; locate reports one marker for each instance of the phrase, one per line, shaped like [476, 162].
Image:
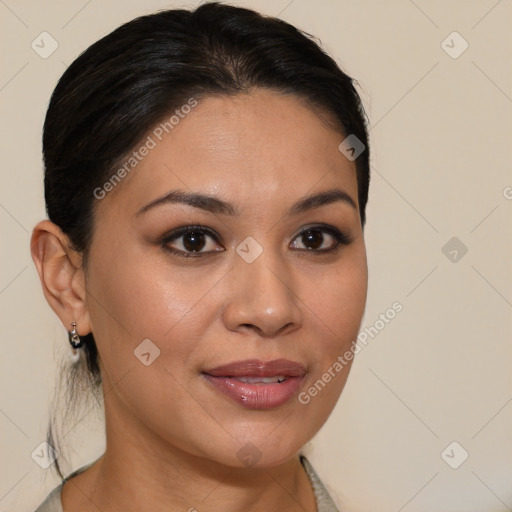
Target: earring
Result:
[74, 338]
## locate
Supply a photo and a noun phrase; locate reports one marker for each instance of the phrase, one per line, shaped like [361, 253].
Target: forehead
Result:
[248, 148]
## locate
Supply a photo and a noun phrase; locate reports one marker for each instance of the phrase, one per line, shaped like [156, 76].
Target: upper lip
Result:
[257, 368]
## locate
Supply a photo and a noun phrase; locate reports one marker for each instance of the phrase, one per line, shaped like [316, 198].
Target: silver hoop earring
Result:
[74, 338]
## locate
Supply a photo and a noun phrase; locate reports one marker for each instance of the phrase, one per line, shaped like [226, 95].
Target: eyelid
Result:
[183, 230]
[339, 236]
[177, 233]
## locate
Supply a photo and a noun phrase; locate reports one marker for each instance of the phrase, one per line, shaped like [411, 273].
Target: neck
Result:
[142, 472]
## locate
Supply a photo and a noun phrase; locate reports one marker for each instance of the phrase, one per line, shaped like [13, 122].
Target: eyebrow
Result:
[215, 205]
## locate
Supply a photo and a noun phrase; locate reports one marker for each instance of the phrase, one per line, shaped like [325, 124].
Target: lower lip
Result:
[256, 396]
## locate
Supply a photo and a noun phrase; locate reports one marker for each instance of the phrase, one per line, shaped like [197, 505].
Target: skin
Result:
[172, 439]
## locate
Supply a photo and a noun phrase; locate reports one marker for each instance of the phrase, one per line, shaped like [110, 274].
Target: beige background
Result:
[441, 142]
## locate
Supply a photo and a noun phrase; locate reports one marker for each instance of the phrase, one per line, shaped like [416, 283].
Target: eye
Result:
[196, 241]
[320, 239]
[192, 241]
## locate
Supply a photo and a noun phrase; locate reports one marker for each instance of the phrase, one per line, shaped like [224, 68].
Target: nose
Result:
[262, 299]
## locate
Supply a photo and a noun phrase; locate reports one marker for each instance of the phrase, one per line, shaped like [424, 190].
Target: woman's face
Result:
[267, 284]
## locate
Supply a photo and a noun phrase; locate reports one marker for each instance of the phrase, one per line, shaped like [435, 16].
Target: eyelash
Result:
[339, 237]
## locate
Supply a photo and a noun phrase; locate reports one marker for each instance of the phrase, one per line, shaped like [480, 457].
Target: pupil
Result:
[193, 241]
[312, 239]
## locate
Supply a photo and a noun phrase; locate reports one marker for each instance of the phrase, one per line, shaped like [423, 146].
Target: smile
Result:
[256, 384]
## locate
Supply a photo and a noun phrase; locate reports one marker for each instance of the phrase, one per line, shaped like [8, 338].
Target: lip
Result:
[225, 379]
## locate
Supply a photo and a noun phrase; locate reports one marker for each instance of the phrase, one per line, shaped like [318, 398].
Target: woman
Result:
[206, 177]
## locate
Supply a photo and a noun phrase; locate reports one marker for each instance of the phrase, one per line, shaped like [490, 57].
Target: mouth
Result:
[261, 380]
[257, 384]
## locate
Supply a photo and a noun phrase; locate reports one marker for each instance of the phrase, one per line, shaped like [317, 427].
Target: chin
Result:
[269, 448]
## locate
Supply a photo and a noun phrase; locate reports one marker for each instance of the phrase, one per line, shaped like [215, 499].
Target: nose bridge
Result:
[263, 294]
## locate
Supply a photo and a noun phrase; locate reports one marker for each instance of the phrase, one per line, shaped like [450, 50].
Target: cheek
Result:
[134, 303]
[338, 303]
[136, 298]
[126, 307]
[338, 307]
[136, 294]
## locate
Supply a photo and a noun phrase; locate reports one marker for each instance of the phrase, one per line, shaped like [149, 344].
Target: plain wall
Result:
[440, 371]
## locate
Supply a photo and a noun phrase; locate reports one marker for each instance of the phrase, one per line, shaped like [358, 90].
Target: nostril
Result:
[252, 327]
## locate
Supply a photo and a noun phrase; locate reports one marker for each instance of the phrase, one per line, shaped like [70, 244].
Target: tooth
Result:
[262, 380]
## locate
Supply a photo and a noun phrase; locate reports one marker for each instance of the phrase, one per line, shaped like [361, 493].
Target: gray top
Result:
[324, 502]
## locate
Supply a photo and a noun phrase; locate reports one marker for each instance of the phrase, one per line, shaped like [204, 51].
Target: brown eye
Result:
[312, 239]
[320, 239]
[192, 241]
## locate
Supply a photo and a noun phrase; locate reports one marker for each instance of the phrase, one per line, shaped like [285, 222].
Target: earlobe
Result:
[61, 275]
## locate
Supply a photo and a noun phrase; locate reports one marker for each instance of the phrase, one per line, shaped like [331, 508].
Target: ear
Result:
[62, 275]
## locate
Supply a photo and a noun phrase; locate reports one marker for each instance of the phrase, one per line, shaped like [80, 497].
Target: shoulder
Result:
[52, 503]
[323, 499]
